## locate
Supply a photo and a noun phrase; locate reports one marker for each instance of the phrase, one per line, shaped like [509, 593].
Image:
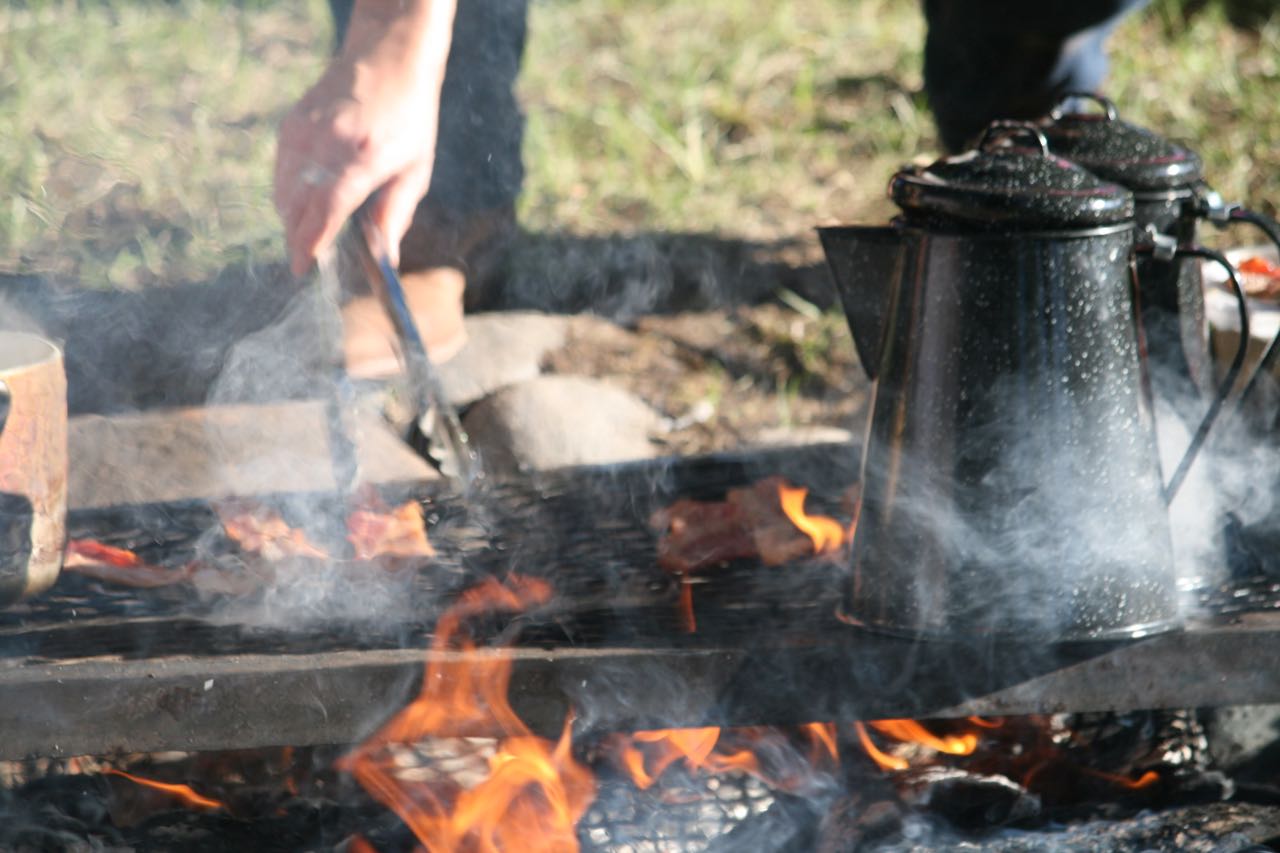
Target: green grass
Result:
[747, 118]
[1214, 86]
[139, 135]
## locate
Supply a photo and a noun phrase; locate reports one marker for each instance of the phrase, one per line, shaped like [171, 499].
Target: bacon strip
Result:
[119, 566]
[264, 532]
[377, 532]
[374, 531]
[749, 523]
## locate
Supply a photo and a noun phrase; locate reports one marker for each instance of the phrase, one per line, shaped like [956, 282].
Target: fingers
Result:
[392, 210]
[320, 213]
[317, 187]
[347, 137]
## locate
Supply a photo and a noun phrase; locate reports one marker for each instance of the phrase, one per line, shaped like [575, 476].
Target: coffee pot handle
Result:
[1221, 214]
[1165, 248]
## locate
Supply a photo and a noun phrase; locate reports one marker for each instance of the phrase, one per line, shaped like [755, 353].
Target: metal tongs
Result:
[440, 435]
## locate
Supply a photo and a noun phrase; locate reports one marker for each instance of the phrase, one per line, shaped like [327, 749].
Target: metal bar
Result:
[96, 706]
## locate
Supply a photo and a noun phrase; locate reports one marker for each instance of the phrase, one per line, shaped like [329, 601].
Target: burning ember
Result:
[183, 793]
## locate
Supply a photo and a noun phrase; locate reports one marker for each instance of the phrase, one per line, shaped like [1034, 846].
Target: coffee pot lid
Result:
[1010, 181]
[1116, 150]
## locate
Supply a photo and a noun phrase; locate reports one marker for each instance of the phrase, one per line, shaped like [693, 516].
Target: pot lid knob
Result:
[1003, 133]
[1116, 150]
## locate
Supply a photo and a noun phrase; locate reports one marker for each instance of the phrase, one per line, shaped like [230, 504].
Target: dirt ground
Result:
[729, 378]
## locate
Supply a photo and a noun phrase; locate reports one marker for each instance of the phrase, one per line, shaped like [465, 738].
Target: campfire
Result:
[476, 758]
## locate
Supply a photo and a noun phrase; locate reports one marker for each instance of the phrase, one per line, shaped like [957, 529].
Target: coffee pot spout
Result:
[865, 263]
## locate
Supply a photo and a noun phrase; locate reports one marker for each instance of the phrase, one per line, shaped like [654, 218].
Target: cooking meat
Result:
[262, 531]
[118, 566]
[375, 531]
[749, 523]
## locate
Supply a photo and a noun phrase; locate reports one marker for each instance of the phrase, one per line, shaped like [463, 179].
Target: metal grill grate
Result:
[684, 816]
[585, 531]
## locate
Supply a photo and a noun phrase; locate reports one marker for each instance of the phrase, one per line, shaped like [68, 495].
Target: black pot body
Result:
[1011, 483]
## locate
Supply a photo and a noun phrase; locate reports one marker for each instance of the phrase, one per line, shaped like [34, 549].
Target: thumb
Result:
[393, 207]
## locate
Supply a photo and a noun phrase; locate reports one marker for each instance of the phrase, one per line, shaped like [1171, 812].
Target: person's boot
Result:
[440, 256]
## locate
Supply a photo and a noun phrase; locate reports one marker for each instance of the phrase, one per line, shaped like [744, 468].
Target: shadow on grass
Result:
[623, 277]
[167, 346]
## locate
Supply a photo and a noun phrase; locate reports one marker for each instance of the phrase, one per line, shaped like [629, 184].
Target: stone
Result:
[795, 436]
[502, 348]
[560, 421]
[211, 452]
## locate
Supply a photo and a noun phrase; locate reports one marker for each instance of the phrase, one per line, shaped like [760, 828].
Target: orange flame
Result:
[886, 761]
[984, 723]
[535, 791]
[184, 793]
[827, 534]
[910, 731]
[823, 737]
[1146, 780]
[648, 754]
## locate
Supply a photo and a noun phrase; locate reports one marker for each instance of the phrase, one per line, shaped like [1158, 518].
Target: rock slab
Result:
[561, 421]
[502, 349]
[224, 451]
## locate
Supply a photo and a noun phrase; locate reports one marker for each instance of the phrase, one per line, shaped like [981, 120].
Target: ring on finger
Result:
[316, 176]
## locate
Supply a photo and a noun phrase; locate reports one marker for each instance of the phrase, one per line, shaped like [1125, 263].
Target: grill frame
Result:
[154, 671]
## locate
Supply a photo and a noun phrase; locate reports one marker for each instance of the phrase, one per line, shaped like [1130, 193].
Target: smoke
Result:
[1027, 500]
[297, 358]
[1029, 508]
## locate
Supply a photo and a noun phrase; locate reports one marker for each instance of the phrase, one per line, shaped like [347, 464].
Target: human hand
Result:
[367, 126]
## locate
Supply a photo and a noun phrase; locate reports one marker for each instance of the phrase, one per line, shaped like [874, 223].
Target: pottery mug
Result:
[33, 464]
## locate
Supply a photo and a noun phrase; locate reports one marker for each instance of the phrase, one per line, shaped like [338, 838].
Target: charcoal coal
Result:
[790, 825]
[1252, 548]
[1215, 828]
[1238, 736]
[857, 822]
[969, 800]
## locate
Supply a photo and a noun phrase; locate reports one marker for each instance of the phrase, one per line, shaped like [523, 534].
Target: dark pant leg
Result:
[478, 165]
[989, 59]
